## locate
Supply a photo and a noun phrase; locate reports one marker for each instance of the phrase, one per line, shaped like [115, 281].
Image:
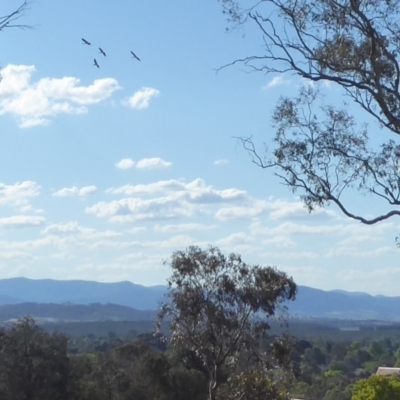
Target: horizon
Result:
[165, 285]
[107, 171]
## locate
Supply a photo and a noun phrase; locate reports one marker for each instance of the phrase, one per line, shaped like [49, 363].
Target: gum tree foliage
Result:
[322, 150]
[218, 308]
[377, 388]
[33, 364]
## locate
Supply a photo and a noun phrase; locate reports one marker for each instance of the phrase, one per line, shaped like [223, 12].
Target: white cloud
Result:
[236, 212]
[283, 209]
[21, 221]
[291, 228]
[179, 199]
[178, 228]
[195, 191]
[145, 163]
[75, 191]
[320, 84]
[15, 255]
[153, 163]
[36, 103]
[384, 280]
[221, 162]
[137, 209]
[171, 185]
[280, 241]
[19, 193]
[141, 99]
[29, 209]
[125, 163]
[235, 239]
[285, 255]
[277, 209]
[357, 253]
[276, 81]
[137, 229]
[62, 256]
[73, 228]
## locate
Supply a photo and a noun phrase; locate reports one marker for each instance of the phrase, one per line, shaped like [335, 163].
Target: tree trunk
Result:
[212, 386]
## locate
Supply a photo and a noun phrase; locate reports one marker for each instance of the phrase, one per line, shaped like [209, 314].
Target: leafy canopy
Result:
[321, 149]
[377, 388]
[218, 308]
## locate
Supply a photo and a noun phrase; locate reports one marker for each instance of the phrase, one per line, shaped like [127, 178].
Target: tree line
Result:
[35, 364]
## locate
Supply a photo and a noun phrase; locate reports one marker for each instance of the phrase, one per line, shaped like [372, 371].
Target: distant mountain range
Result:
[23, 290]
[68, 312]
[310, 303]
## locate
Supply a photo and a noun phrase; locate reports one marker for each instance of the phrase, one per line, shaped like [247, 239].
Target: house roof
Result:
[388, 371]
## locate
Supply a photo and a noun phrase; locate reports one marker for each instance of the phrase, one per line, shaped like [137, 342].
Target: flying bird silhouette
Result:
[96, 64]
[85, 42]
[102, 52]
[135, 56]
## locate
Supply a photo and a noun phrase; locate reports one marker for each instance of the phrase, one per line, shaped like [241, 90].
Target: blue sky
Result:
[106, 171]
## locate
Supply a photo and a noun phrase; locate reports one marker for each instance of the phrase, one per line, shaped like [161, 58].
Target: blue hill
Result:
[310, 302]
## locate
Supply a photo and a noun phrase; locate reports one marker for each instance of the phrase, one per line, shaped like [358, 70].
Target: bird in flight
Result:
[102, 52]
[85, 42]
[135, 56]
[96, 64]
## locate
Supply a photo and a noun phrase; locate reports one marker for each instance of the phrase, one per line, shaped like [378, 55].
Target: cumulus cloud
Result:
[125, 163]
[177, 199]
[178, 228]
[292, 228]
[235, 239]
[221, 162]
[352, 251]
[19, 193]
[145, 163]
[75, 191]
[280, 241]
[73, 228]
[235, 212]
[153, 163]
[276, 209]
[194, 191]
[36, 103]
[171, 185]
[137, 229]
[21, 221]
[137, 209]
[141, 99]
[276, 81]
[286, 255]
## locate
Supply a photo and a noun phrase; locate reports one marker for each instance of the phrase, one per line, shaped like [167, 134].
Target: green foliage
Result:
[377, 388]
[33, 364]
[252, 385]
[322, 150]
[333, 373]
[218, 309]
[346, 362]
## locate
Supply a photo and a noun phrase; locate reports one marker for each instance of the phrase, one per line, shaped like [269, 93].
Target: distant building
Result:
[388, 371]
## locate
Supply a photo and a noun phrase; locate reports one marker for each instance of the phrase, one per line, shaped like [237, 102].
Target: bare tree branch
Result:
[326, 155]
[321, 151]
[353, 45]
[9, 20]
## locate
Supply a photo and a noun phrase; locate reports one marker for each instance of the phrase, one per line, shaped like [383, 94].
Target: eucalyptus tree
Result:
[219, 309]
[323, 149]
[34, 364]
